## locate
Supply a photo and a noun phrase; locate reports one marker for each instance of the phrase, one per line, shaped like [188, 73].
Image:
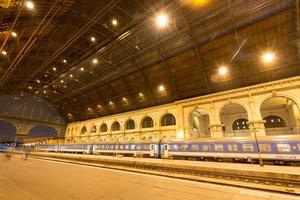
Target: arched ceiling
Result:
[135, 57]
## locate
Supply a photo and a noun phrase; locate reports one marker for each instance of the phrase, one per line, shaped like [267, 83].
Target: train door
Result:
[154, 150]
[94, 149]
[165, 152]
[89, 149]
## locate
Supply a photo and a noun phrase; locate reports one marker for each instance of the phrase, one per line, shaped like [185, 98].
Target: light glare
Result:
[268, 57]
[162, 20]
[114, 22]
[14, 34]
[161, 88]
[4, 53]
[95, 61]
[29, 5]
[93, 39]
[223, 70]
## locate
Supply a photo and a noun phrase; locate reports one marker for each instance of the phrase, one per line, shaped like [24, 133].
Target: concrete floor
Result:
[43, 180]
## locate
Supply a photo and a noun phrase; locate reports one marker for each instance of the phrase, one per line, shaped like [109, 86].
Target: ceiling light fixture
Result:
[268, 57]
[223, 70]
[64, 60]
[14, 34]
[81, 69]
[29, 5]
[71, 75]
[93, 39]
[95, 61]
[161, 88]
[162, 20]
[54, 68]
[3, 52]
[114, 22]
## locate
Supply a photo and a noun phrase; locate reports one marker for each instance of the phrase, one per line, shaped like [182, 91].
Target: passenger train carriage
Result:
[278, 149]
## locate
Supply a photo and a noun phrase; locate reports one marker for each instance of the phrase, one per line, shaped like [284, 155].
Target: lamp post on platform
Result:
[258, 149]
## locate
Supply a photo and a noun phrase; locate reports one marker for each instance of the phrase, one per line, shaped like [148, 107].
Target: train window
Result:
[138, 147]
[146, 147]
[205, 147]
[219, 147]
[106, 146]
[132, 147]
[232, 147]
[195, 147]
[121, 147]
[126, 146]
[184, 147]
[174, 147]
[111, 146]
[265, 147]
[248, 147]
[284, 147]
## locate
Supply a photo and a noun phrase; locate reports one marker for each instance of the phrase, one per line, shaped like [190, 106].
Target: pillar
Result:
[257, 127]
[216, 130]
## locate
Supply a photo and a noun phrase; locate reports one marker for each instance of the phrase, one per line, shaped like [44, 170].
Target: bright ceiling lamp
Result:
[14, 34]
[29, 5]
[3, 52]
[223, 70]
[114, 22]
[162, 20]
[268, 57]
[161, 88]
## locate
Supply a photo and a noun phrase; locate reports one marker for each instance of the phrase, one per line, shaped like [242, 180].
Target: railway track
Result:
[290, 186]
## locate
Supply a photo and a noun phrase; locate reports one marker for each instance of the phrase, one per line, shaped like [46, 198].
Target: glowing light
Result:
[61, 81]
[93, 39]
[64, 60]
[95, 61]
[114, 22]
[141, 94]
[29, 87]
[124, 99]
[3, 52]
[71, 75]
[111, 103]
[223, 70]
[46, 75]
[162, 20]
[81, 69]
[54, 68]
[38, 81]
[44, 91]
[14, 34]
[161, 88]
[268, 57]
[29, 5]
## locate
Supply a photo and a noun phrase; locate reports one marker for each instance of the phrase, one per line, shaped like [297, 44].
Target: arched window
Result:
[103, 128]
[147, 122]
[240, 124]
[130, 124]
[273, 121]
[168, 120]
[94, 129]
[115, 126]
[83, 130]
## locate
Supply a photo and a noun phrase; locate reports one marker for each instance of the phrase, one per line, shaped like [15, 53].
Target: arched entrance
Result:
[199, 124]
[41, 131]
[281, 115]
[234, 119]
[8, 131]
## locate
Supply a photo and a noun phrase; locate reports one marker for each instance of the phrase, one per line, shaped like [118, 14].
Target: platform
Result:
[46, 180]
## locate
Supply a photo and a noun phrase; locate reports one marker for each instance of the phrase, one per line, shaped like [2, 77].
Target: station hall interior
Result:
[203, 85]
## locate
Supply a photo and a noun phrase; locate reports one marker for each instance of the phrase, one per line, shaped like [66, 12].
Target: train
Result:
[270, 149]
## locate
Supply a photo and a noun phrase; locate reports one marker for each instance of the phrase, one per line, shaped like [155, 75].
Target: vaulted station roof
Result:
[93, 58]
